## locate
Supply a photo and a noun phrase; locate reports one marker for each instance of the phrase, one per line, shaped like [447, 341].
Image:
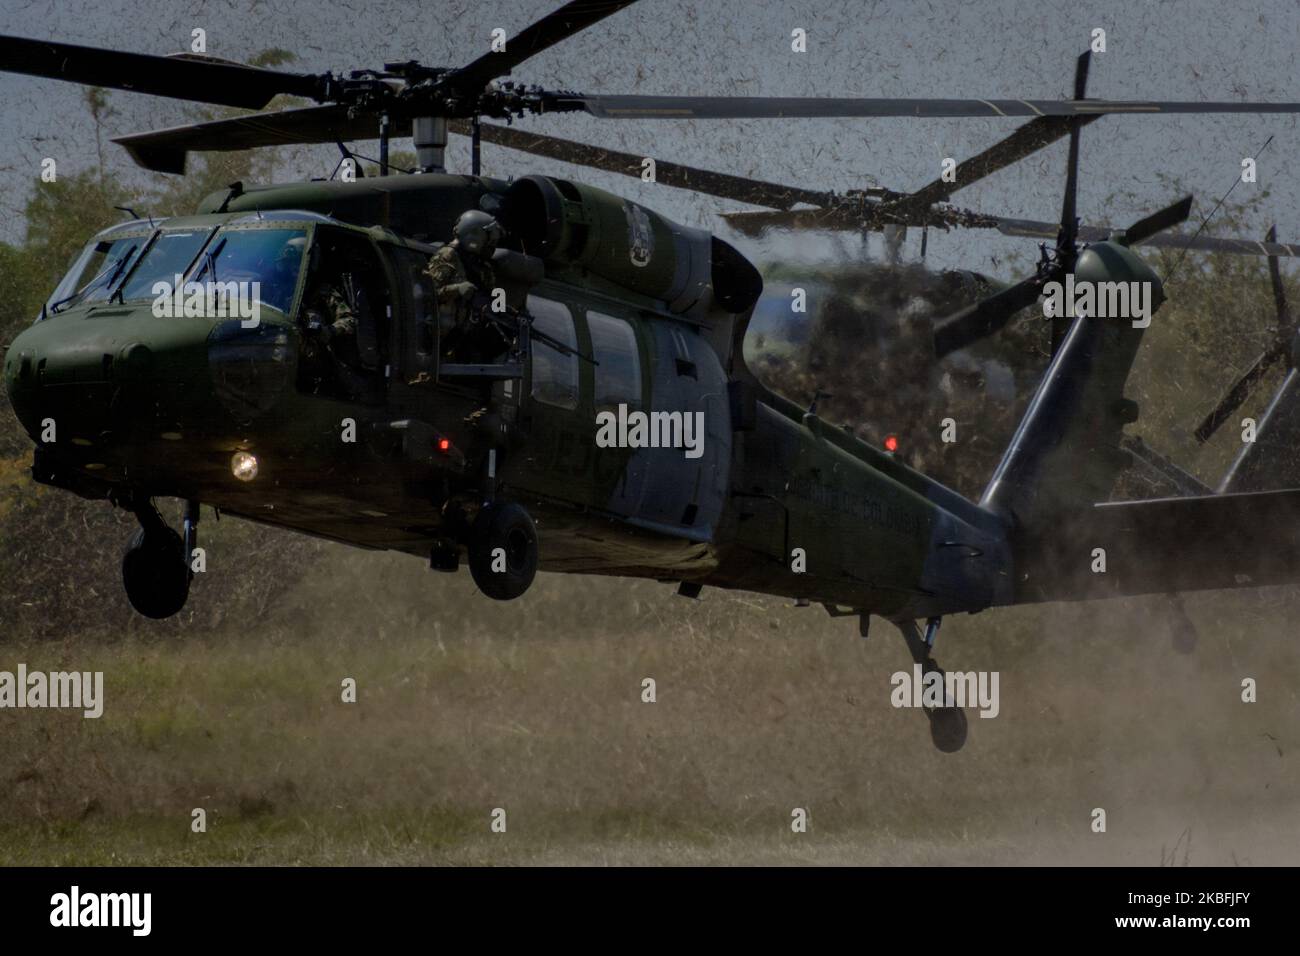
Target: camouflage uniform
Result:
[453, 289]
[331, 329]
[336, 314]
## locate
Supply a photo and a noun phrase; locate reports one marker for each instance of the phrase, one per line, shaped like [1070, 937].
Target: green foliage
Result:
[59, 554]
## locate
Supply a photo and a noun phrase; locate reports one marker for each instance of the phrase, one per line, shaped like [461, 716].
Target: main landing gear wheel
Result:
[947, 728]
[503, 550]
[155, 573]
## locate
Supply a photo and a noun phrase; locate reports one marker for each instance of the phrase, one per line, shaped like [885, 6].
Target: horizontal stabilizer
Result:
[1164, 545]
[1272, 460]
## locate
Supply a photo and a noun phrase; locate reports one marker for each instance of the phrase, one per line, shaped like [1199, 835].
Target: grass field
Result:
[464, 705]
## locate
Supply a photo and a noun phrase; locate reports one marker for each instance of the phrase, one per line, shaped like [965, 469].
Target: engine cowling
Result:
[572, 225]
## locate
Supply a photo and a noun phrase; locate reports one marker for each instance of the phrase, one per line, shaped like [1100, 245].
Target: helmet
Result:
[290, 254]
[478, 232]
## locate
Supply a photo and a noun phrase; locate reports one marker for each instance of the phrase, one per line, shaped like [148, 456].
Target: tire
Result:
[947, 728]
[506, 526]
[155, 574]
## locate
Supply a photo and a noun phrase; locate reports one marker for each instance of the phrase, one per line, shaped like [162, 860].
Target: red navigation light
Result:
[891, 443]
[443, 444]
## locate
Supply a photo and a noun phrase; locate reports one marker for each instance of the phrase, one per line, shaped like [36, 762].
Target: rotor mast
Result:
[429, 135]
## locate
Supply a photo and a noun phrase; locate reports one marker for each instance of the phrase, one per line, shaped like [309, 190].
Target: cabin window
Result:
[618, 368]
[555, 373]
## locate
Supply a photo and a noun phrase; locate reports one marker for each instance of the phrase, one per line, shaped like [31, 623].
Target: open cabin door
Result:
[416, 355]
[346, 318]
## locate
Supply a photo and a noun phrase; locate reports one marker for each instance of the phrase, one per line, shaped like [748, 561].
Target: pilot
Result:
[329, 329]
[334, 320]
[463, 268]
[282, 279]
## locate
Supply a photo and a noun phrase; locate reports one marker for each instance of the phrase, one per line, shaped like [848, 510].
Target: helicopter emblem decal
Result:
[640, 235]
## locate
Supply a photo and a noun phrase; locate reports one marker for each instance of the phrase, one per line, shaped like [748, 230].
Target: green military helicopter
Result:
[610, 425]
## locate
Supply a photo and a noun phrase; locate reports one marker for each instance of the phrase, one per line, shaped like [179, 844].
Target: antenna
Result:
[1199, 229]
[133, 214]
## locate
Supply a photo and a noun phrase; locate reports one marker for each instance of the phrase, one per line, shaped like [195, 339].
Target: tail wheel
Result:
[503, 551]
[155, 573]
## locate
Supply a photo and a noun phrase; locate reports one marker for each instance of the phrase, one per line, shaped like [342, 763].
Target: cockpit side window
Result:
[271, 258]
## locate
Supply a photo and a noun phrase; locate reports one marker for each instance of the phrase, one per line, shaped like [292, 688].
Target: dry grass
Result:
[466, 705]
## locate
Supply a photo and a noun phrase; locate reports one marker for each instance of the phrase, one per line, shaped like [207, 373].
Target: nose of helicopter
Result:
[94, 379]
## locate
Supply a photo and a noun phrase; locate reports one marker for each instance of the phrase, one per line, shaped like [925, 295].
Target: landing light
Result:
[243, 466]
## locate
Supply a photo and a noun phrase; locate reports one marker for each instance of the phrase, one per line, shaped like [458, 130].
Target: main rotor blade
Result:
[1025, 141]
[856, 217]
[1166, 218]
[757, 223]
[165, 150]
[725, 186]
[1033, 229]
[180, 77]
[556, 26]
[1239, 392]
[985, 317]
[828, 217]
[751, 107]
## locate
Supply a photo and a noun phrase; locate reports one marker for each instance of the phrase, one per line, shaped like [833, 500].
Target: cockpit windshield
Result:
[270, 257]
[94, 272]
[129, 267]
[168, 256]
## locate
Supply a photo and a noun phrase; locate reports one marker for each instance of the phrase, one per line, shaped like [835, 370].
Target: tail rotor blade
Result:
[1069, 207]
[1239, 392]
[1281, 348]
[1081, 75]
[1166, 218]
[984, 317]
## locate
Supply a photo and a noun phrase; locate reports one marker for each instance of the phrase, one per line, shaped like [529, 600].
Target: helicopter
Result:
[602, 307]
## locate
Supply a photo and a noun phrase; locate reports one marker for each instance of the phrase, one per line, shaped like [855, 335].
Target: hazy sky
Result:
[1175, 49]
